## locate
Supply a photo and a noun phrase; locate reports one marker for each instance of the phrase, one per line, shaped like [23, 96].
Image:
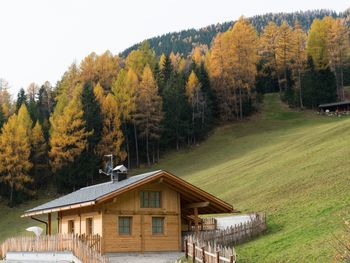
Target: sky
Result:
[41, 38]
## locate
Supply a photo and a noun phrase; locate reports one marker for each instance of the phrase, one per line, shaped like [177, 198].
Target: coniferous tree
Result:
[299, 56]
[177, 112]
[14, 157]
[21, 99]
[68, 132]
[197, 101]
[149, 113]
[112, 136]
[39, 155]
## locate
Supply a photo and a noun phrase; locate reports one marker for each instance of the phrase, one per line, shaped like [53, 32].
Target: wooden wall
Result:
[79, 216]
[141, 239]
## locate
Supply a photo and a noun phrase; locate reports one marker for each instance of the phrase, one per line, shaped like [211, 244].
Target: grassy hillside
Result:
[292, 165]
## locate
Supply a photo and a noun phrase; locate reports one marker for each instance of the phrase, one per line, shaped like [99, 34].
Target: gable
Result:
[103, 192]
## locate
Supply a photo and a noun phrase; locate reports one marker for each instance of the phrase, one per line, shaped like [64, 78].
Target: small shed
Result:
[335, 106]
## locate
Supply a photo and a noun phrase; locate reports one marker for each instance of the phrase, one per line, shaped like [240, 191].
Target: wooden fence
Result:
[92, 241]
[236, 234]
[59, 242]
[206, 252]
[205, 224]
[217, 245]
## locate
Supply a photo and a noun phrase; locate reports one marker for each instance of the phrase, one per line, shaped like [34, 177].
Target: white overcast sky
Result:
[39, 39]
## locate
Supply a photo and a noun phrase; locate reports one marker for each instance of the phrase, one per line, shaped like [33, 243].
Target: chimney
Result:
[120, 173]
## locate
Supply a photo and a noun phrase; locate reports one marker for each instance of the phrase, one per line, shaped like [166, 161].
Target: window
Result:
[71, 226]
[125, 223]
[89, 226]
[150, 199]
[157, 225]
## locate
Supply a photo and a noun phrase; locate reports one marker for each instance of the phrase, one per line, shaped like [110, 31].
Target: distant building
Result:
[146, 212]
[335, 107]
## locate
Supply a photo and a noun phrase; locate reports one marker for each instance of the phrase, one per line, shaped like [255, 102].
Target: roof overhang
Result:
[186, 189]
[58, 209]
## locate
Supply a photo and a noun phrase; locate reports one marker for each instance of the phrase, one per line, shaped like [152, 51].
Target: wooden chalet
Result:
[141, 213]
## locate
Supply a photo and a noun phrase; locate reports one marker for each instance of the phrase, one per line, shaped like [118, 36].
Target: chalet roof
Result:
[99, 193]
[91, 193]
[340, 103]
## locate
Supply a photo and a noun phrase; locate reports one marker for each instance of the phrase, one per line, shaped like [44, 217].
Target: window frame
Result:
[162, 226]
[71, 226]
[89, 231]
[150, 199]
[121, 219]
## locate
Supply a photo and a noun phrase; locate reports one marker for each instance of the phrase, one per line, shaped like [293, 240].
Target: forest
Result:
[140, 105]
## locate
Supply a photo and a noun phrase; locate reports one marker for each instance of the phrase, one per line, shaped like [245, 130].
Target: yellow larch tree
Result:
[124, 89]
[38, 153]
[268, 48]
[284, 52]
[149, 113]
[68, 135]
[338, 47]
[244, 58]
[162, 61]
[317, 42]
[112, 136]
[14, 157]
[299, 56]
[196, 99]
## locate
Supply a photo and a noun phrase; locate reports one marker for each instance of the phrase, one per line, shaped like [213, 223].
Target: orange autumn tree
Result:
[148, 115]
[14, 155]
[112, 136]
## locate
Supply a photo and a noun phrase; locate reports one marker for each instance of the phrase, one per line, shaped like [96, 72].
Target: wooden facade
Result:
[150, 216]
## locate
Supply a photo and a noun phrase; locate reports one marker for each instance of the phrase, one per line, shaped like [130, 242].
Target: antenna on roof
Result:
[117, 173]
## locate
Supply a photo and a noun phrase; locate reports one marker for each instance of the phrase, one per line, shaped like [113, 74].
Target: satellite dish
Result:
[36, 230]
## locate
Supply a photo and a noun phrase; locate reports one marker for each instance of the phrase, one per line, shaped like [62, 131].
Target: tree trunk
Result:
[147, 150]
[158, 151]
[127, 145]
[342, 83]
[240, 104]
[136, 146]
[300, 92]
[236, 108]
[177, 139]
[11, 195]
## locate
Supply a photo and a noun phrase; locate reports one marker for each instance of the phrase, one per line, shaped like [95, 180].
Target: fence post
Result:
[194, 252]
[232, 259]
[186, 249]
[218, 256]
[203, 255]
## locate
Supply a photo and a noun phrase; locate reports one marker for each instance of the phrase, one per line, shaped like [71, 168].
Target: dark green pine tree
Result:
[177, 112]
[21, 98]
[165, 73]
[2, 118]
[33, 109]
[319, 86]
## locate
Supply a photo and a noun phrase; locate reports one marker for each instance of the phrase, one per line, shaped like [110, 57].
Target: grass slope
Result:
[292, 165]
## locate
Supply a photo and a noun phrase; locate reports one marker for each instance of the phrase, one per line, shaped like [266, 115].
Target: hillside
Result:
[292, 165]
[185, 40]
